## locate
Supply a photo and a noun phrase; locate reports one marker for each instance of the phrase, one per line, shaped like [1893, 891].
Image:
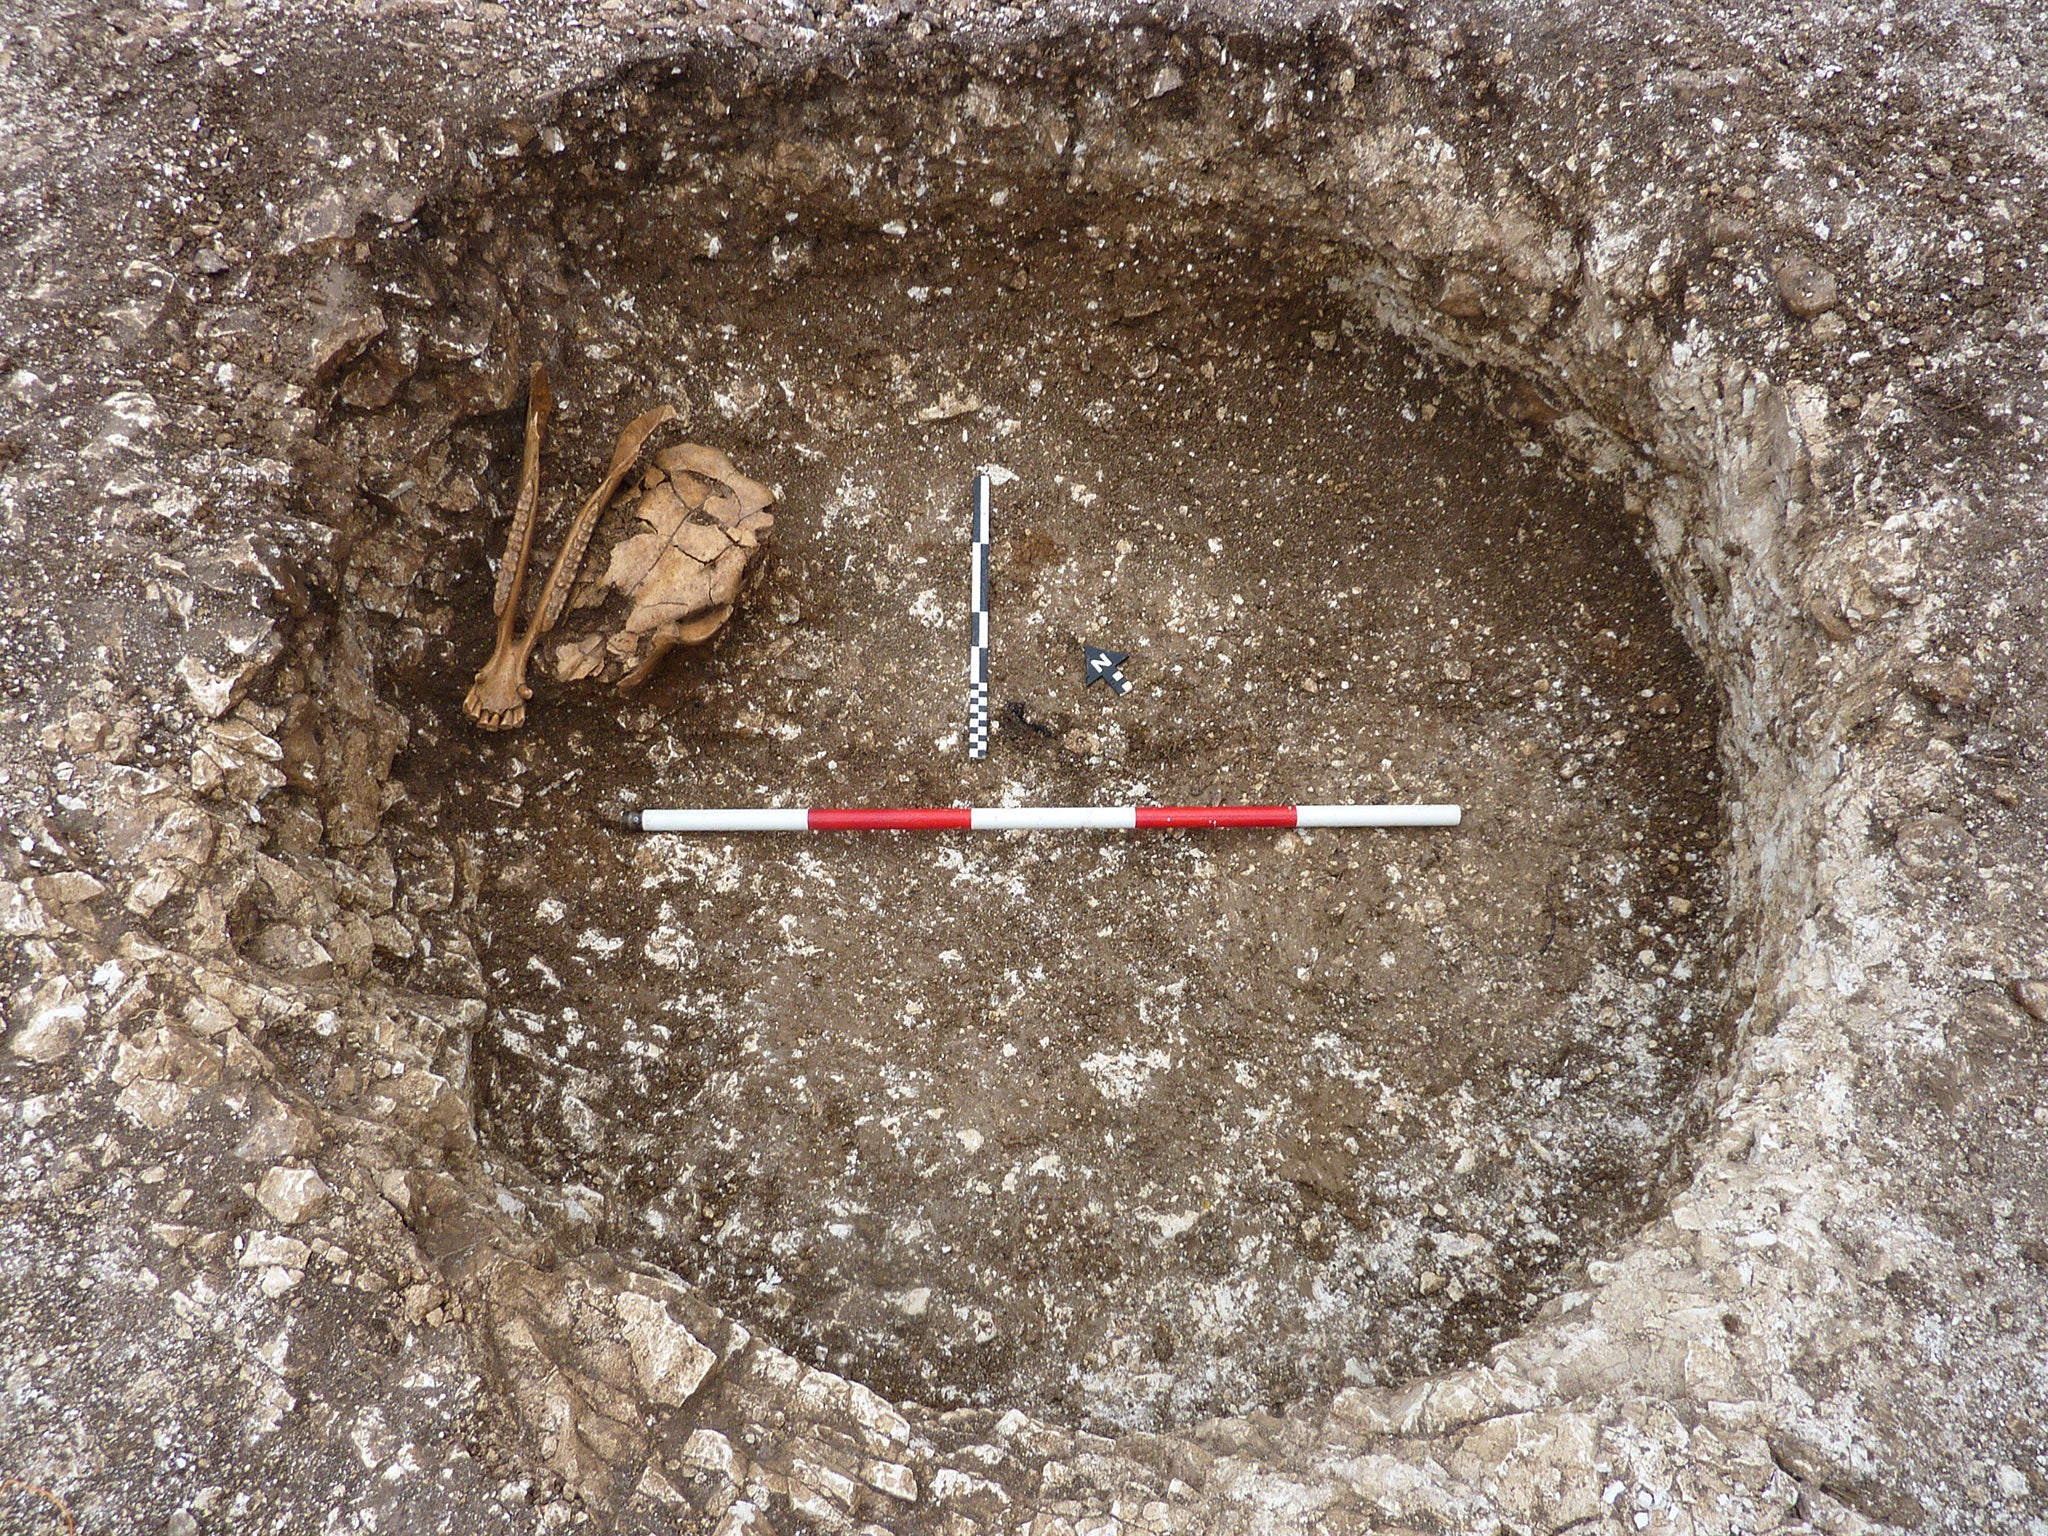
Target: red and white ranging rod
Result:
[1044, 818]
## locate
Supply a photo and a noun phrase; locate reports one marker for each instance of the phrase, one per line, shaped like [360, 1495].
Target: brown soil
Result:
[1127, 1130]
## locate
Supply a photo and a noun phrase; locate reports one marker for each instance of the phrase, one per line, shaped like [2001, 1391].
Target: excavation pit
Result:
[1123, 1132]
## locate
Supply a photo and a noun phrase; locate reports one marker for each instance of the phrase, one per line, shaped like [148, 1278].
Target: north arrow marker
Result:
[1100, 666]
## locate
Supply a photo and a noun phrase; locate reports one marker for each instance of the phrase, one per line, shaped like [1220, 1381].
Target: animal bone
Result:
[703, 524]
[497, 700]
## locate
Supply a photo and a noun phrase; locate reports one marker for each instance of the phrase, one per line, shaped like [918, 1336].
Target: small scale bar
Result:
[977, 623]
[1044, 818]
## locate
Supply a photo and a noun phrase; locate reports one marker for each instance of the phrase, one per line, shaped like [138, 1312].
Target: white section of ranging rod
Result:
[977, 619]
[1378, 815]
[726, 820]
[1048, 818]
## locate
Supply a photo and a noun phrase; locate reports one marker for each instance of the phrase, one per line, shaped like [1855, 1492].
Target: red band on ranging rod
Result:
[1029, 818]
[901, 819]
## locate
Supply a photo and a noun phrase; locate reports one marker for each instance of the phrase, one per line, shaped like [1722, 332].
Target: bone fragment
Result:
[497, 700]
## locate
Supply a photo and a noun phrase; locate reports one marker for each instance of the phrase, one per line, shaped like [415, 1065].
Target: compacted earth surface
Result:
[1123, 1128]
[1626, 428]
[1127, 1131]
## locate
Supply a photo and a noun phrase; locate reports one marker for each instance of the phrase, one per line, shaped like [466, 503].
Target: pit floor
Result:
[1123, 1129]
